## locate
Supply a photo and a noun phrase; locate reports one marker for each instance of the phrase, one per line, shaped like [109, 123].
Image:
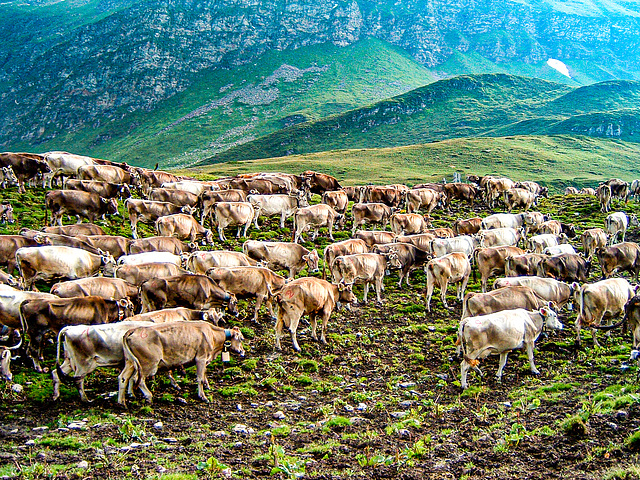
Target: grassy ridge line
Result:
[555, 161]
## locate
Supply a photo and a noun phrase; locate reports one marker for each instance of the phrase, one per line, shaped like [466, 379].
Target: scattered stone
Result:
[63, 429]
[621, 415]
[181, 400]
[612, 425]
[403, 432]
[485, 440]
[407, 384]
[161, 469]
[362, 407]
[226, 473]
[302, 398]
[269, 404]
[398, 414]
[40, 429]
[358, 420]
[406, 403]
[507, 404]
[415, 392]
[254, 405]
[41, 455]
[30, 443]
[84, 464]
[219, 433]
[443, 376]
[348, 408]
[17, 388]
[170, 440]
[79, 425]
[237, 445]
[431, 328]
[239, 407]
[158, 425]
[14, 431]
[243, 429]
[279, 415]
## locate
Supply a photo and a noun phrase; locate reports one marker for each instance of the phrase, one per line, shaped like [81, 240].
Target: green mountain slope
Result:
[465, 106]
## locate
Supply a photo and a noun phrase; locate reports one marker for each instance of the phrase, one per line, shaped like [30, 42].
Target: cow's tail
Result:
[460, 341]
[474, 263]
[294, 228]
[61, 335]
[46, 222]
[324, 266]
[580, 305]
[465, 306]
[128, 355]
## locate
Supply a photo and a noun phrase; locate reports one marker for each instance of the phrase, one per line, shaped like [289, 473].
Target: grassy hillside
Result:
[465, 106]
[555, 161]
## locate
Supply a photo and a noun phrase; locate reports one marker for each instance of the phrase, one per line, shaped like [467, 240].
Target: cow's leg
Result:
[255, 218]
[313, 320]
[79, 220]
[134, 230]
[315, 234]
[464, 369]
[444, 284]
[269, 303]
[56, 384]
[259, 300]
[293, 328]
[80, 384]
[142, 384]
[503, 362]
[331, 231]
[124, 381]
[462, 287]
[529, 346]
[246, 228]
[325, 320]
[282, 219]
[278, 329]
[221, 233]
[172, 381]
[429, 291]
[578, 328]
[239, 229]
[366, 291]
[595, 338]
[201, 372]
[378, 286]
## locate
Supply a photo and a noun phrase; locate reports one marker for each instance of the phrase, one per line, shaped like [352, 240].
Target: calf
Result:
[500, 333]
[370, 213]
[173, 345]
[186, 227]
[314, 217]
[506, 298]
[282, 255]
[491, 261]
[591, 240]
[361, 268]
[451, 268]
[622, 257]
[308, 296]
[346, 247]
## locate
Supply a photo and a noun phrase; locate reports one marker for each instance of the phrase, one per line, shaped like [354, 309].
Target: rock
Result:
[398, 414]
[238, 445]
[269, 404]
[279, 415]
[30, 443]
[507, 404]
[243, 429]
[14, 431]
[77, 425]
[358, 420]
[181, 400]
[403, 432]
[170, 440]
[362, 407]
[219, 433]
[443, 376]
[431, 328]
[239, 407]
[349, 408]
[83, 464]
[407, 384]
[621, 415]
[612, 425]
[40, 429]
[226, 473]
[63, 429]
[158, 425]
[17, 388]
[160, 469]
[406, 403]
[41, 455]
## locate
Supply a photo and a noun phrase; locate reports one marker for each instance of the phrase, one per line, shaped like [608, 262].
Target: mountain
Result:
[133, 79]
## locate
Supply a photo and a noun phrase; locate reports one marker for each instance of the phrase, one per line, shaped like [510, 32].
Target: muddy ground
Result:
[381, 400]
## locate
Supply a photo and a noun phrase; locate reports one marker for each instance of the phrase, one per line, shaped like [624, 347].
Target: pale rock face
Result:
[559, 66]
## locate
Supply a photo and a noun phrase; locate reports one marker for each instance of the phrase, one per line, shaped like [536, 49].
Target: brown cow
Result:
[567, 267]
[338, 200]
[417, 198]
[521, 265]
[469, 226]
[408, 223]
[519, 197]
[160, 244]
[346, 247]
[421, 241]
[282, 255]
[505, 298]
[374, 237]
[321, 182]
[621, 257]
[450, 268]
[175, 196]
[9, 244]
[233, 213]
[361, 268]
[603, 194]
[491, 261]
[105, 287]
[202, 262]
[184, 227]
[25, 166]
[114, 244]
[314, 217]
[147, 211]
[592, 239]
[108, 173]
[75, 229]
[465, 192]
[150, 179]
[312, 296]
[494, 189]
[138, 274]
[389, 196]
[103, 189]
[81, 204]
[407, 258]
[370, 213]
[208, 200]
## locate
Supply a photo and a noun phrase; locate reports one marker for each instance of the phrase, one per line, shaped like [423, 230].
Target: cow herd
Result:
[156, 301]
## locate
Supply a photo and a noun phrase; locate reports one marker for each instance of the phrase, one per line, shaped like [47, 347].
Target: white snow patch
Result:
[559, 66]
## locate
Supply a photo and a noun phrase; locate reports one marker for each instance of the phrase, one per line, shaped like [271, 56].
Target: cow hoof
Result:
[535, 372]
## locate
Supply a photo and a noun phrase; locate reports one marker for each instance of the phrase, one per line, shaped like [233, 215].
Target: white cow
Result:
[462, 243]
[282, 205]
[617, 223]
[150, 257]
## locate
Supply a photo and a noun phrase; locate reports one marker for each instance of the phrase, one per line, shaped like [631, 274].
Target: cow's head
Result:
[208, 237]
[15, 282]
[550, 317]
[41, 239]
[125, 191]
[5, 361]
[125, 308]
[110, 205]
[235, 338]
[184, 259]
[213, 315]
[345, 294]
[108, 264]
[193, 247]
[633, 220]
[188, 210]
[9, 175]
[7, 213]
[393, 259]
[312, 259]
[232, 305]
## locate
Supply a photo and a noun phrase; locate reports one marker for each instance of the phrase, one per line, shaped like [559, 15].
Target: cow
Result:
[450, 268]
[370, 213]
[555, 227]
[491, 261]
[59, 240]
[282, 255]
[538, 243]
[51, 262]
[559, 249]
[283, 206]
[389, 196]
[150, 257]
[308, 296]
[243, 282]
[233, 213]
[407, 223]
[148, 211]
[418, 198]
[421, 241]
[7, 177]
[81, 204]
[314, 217]
[405, 258]
[519, 197]
[603, 194]
[619, 188]
[140, 273]
[172, 345]
[105, 287]
[591, 240]
[175, 196]
[263, 186]
[567, 267]
[184, 227]
[40, 316]
[10, 300]
[321, 182]
[603, 299]
[500, 333]
[522, 265]
[103, 189]
[571, 191]
[201, 262]
[588, 191]
[465, 192]
[551, 290]
[25, 166]
[192, 186]
[353, 193]
[361, 268]
[338, 200]
[109, 174]
[5, 360]
[617, 223]
[621, 257]
[160, 244]
[632, 316]
[65, 164]
[503, 220]
[469, 226]
[634, 189]
[75, 229]
[9, 244]
[534, 188]
[114, 244]
[494, 189]
[374, 237]
[505, 298]
[498, 237]
[192, 291]
[463, 243]
[346, 247]
[152, 179]
[208, 200]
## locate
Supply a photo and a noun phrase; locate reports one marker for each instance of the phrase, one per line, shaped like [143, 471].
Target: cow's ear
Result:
[123, 302]
[544, 311]
[305, 257]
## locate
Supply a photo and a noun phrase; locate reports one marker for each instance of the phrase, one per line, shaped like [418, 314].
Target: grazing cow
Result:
[282, 255]
[436, 187]
[184, 227]
[534, 188]
[406, 258]
[233, 213]
[491, 261]
[619, 188]
[593, 239]
[160, 244]
[500, 333]
[9, 244]
[108, 174]
[147, 211]
[7, 177]
[75, 229]
[138, 274]
[538, 243]
[498, 237]
[338, 200]
[308, 296]
[418, 198]
[503, 220]
[370, 213]
[375, 237]
[175, 196]
[463, 243]
[389, 196]
[559, 249]
[113, 244]
[40, 316]
[634, 189]
[421, 241]
[451, 268]
[172, 345]
[263, 186]
[202, 262]
[152, 179]
[549, 289]
[603, 299]
[10, 280]
[66, 164]
[283, 206]
[494, 189]
[105, 287]
[505, 298]
[468, 226]
[588, 191]
[321, 182]
[465, 192]
[603, 194]
[314, 217]
[103, 189]
[519, 265]
[617, 223]
[571, 191]
[192, 291]
[208, 200]
[361, 268]
[346, 247]
[81, 204]
[567, 267]
[555, 227]
[25, 166]
[407, 223]
[52, 262]
[621, 257]
[353, 193]
[519, 197]
[5, 361]
[246, 282]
